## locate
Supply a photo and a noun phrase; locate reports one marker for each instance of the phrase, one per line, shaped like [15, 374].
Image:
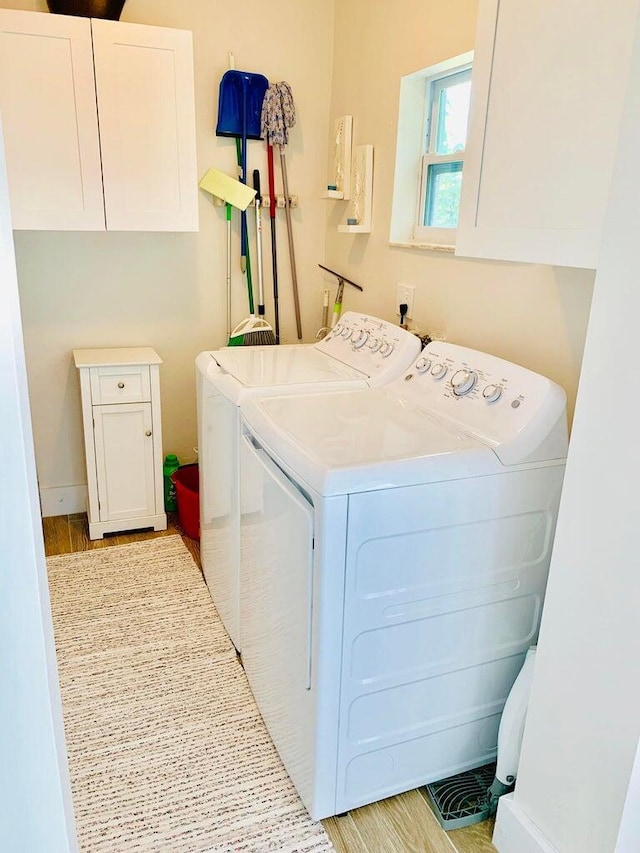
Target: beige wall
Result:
[168, 290]
[534, 315]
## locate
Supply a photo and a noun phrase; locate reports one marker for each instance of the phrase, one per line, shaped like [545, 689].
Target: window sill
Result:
[429, 247]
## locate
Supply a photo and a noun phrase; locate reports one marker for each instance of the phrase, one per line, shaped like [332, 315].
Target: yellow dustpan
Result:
[232, 192]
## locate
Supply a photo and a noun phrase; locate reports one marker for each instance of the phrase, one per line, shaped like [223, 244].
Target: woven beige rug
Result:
[167, 750]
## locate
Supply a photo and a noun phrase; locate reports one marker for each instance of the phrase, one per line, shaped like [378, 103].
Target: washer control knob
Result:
[345, 331]
[491, 393]
[359, 338]
[375, 344]
[463, 381]
[386, 349]
[423, 364]
[439, 371]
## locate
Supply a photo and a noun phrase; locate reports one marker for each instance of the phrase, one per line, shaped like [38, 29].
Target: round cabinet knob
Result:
[375, 344]
[359, 338]
[148, 433]
[423, 364]
[491, 393]
[439, 371]
[386, 349]
[120, 384]
[463, 381]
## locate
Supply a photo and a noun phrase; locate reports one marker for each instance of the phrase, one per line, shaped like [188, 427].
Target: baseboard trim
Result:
[515, 833]
[63, 500]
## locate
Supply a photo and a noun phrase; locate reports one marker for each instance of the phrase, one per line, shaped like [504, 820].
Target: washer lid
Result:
[359, 440]
[256, 367]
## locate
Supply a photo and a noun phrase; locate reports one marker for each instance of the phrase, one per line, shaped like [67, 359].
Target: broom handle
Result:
[258, 203]
[228, 270]
[287, 208]
[245, 261]
[274, 254]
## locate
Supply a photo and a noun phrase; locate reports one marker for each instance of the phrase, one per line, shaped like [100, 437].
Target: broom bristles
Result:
[251, 332]
[262, 337]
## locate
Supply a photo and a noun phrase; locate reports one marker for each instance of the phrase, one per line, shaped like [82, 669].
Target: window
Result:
[432, 135]
[447, 114]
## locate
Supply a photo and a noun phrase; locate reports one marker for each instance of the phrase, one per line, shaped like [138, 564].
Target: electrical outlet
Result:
[405, 294]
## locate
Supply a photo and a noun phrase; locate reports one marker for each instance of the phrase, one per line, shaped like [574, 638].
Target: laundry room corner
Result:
[533, 314]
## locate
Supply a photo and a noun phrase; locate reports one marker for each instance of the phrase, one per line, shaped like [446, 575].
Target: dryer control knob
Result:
[375, 344]
[423, 364]
[386, 349]
[491, 393]
[359, 338]
[463, 381]
[439, 371]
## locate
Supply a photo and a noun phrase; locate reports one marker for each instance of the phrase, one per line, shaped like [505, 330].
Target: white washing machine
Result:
[395, 545]
[361, 351]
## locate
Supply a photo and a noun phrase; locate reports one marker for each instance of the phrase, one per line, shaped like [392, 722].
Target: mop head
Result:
[252, 332]
[466, 798]
[227, 188]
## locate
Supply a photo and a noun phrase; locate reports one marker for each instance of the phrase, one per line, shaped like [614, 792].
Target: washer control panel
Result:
[381, 350]
[503, 404]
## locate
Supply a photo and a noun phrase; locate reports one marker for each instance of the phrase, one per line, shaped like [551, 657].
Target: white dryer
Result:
[360, 352]
[395, 545]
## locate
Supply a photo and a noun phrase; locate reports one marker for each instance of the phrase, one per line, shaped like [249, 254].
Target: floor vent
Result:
[462, 800]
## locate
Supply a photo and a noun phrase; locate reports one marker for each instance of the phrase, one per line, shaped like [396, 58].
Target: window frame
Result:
[434, 85]
[410, 144]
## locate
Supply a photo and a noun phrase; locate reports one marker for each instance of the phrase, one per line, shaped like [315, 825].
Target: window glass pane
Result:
[453, 115]
[442, 202]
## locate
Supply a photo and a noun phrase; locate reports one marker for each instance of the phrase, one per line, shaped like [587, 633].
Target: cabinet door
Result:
[124, 460]
[548, 82]
[48, 105]
[144, 81]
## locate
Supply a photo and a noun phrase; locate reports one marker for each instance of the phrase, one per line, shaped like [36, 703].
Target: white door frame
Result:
[36, 810]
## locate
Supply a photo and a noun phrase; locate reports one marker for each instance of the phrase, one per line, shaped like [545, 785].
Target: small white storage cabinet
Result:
[120, 391]
[99, 124]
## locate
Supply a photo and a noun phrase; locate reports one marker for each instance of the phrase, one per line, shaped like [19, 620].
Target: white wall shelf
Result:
[341, 160]
[361, 204]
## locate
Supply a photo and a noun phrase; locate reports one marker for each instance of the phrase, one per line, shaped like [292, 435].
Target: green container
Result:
[171, 464]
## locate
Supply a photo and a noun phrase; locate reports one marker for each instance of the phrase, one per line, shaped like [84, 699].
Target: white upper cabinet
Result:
[112, 149]
[549, 80]
[144, 82]
[48, 104]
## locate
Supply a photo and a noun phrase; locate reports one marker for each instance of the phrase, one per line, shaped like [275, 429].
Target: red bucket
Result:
[187, 484]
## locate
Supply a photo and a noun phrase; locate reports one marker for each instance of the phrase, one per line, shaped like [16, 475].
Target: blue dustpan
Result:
[240, 100]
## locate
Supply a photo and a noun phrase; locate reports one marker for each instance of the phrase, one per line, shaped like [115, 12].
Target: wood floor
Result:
[401, 824]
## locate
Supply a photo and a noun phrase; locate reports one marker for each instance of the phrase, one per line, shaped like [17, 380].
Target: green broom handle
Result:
[244, 236]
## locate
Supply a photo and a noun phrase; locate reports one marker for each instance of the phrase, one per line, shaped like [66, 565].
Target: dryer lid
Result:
[364, 439]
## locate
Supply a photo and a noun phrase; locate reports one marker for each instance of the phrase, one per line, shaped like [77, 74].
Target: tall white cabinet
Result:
[120, 390]
[99, 123]
[549, 79]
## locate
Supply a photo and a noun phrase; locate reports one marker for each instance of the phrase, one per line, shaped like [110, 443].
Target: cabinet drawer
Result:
[120, 384]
